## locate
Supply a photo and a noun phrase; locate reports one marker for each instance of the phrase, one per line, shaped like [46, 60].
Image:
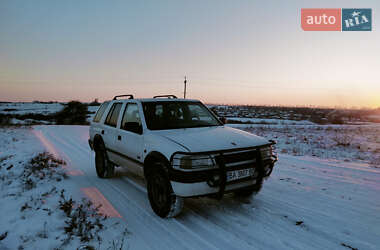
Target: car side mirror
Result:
[134, 127]
[139, 129]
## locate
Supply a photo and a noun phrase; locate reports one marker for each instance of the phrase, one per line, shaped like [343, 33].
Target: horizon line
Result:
[226, 104]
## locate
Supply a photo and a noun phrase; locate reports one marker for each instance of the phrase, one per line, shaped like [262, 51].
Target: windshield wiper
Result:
[202, 126]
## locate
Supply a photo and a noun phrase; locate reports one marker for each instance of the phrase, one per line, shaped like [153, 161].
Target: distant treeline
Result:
[74, 113]
[316, 115]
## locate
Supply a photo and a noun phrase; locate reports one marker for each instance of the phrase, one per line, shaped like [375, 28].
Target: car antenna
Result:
[184, 92]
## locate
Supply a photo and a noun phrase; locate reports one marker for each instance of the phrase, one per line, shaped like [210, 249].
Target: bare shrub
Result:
[83, 219]
[343, 139]
[119, 244]
[44, 232]
[74, 113]
[4, 158]
[3, 235]
[375, 162]
[5, 120]
[42, 166]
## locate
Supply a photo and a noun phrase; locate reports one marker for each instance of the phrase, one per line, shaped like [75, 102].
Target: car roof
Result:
[155, 100]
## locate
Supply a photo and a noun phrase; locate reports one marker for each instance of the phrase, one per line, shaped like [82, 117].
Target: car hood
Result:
[212, 138]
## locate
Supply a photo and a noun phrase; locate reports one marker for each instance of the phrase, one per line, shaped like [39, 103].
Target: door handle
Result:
[119, 137]
[102, 132]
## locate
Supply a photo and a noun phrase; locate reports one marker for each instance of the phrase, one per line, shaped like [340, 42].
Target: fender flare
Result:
[152, 157]
[98, 141]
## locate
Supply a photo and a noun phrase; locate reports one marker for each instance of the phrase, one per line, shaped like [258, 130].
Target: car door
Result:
[130, 138]
[110, 130]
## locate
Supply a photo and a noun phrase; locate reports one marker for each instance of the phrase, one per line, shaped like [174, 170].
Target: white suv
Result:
[180, 147]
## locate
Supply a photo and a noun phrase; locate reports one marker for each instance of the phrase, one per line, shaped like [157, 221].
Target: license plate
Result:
[239, 174]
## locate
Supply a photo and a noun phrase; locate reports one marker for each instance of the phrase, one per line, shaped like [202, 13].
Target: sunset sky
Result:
[233, 52]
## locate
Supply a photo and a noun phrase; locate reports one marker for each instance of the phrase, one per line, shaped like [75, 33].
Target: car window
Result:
[113, 115]
[174, 115]
[199, 114]
[100, 112]
[131, 118]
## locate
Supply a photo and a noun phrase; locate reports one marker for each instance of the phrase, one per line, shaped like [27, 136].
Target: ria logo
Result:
[357, 19]
[336, 19]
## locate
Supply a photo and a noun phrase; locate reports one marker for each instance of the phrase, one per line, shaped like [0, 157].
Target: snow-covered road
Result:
[306, 204]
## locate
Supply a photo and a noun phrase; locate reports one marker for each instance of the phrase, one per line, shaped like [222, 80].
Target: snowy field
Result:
[349, 143]
[269, 121]
[30, 189]
[21, 108]
[308, 203]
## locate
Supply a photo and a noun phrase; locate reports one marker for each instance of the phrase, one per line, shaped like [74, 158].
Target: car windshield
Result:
[181, 114]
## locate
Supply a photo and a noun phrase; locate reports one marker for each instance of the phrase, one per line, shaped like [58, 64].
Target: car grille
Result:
[239, 159]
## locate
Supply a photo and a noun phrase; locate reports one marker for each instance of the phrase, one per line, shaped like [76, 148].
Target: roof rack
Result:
[130, 96]
[167, 96]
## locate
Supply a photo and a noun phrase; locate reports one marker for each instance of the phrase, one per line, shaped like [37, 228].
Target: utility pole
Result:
[184, 92]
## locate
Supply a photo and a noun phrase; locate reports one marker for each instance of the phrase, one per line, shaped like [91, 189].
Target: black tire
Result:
[160, 193]
[104, 168]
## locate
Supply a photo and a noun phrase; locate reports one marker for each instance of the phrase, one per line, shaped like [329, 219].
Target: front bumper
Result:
[214, 181]
[204, 189]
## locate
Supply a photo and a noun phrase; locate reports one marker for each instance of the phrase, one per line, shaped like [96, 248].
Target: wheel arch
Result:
[98, 141]
[154, 157]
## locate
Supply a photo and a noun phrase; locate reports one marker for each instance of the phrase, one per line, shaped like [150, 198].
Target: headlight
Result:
[266, 152]
[192, 162]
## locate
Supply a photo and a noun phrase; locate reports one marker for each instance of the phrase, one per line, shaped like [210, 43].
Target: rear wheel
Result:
[160, 193]
[104, 168]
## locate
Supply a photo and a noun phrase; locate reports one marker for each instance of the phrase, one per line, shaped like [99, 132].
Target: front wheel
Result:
[160, 193]
[104, 168]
